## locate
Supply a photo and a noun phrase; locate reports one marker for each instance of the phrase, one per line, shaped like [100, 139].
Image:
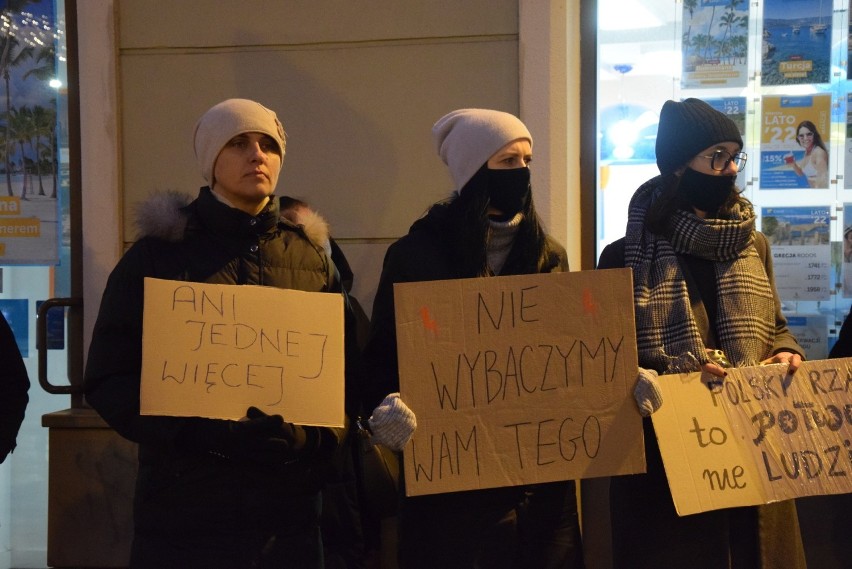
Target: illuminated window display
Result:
[779, 69]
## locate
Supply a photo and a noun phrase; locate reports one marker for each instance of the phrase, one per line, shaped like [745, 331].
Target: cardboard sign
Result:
[705, 467]
[518, 380]
[761, 436]
[212, 350]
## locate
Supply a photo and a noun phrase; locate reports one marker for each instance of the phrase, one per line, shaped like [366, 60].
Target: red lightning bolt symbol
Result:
[428, 322]
[589, 305]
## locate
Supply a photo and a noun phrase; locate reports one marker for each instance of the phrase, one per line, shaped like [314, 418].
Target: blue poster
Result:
[801, 250]
[847, 160]
[796, 42]
[846, 266]
[54, 326]
[734, 107]
[811, 331]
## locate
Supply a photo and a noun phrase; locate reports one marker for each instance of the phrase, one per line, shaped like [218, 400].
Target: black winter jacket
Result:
[14, 384]
[186, 494]
[424, 254]
[488, 520]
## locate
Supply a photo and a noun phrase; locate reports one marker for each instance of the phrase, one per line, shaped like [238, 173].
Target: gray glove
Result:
[392, 423]
[647, 392]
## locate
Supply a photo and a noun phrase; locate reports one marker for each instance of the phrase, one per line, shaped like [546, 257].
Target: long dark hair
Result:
[669, 200]
[470, 232]
[817, 138]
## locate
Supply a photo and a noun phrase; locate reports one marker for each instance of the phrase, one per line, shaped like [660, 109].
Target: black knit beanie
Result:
[687, 128]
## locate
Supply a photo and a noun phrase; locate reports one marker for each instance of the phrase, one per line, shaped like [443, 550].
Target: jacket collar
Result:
[165, 215]
[221, 218]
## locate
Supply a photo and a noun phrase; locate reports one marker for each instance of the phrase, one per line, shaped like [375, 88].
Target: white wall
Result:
[357, 89]
[549, 37]
[101, 188]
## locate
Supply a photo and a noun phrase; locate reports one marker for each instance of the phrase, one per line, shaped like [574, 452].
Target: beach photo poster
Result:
[34, 142]
[801, 250]
[794, 142]
[796, 42]
[715, 44]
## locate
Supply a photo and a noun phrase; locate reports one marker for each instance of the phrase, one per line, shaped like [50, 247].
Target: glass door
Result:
[37, 223]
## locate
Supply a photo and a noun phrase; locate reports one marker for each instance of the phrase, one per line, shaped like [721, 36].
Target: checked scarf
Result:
[668, 337]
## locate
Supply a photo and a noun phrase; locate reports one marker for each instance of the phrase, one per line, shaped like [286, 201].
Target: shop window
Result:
[779, 68]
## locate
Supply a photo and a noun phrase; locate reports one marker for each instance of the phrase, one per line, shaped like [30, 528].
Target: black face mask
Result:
[705, 192]
[508, 190]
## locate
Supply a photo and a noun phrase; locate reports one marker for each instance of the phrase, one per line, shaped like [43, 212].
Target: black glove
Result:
[295, 437]
[253, 439]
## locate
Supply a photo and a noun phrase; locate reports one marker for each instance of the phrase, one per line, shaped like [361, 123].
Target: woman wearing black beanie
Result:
[703, 282]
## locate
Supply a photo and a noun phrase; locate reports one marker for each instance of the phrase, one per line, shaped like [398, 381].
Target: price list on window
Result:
[801, 251]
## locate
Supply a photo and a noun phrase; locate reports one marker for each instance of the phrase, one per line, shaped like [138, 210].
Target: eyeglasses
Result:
[806, 135]
[720, 159]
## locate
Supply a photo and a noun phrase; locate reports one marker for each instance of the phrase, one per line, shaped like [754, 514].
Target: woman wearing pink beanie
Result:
[487, 227]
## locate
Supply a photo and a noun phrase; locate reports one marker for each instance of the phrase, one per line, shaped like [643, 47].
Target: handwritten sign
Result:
[761, 436]
[213, 350]
[518, 380]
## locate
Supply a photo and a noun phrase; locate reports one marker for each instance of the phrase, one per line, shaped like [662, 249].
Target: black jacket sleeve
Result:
[114, 364]
[14, 384]
[843, 347]
[381, 375]
[612, 257]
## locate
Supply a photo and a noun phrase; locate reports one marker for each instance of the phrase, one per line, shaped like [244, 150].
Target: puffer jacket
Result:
[183, 495]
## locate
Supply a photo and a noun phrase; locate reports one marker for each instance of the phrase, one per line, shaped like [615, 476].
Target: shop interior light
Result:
[625, 15]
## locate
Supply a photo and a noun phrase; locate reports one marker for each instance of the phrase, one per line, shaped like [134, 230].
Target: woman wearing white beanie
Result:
[214, 493]
[487, 227]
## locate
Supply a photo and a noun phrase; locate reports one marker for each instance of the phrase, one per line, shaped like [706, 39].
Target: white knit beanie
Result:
[467, 138]
[226, 120]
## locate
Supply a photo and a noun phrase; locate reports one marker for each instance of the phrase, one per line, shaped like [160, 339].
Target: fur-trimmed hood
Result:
[161, 215]
[313, 224]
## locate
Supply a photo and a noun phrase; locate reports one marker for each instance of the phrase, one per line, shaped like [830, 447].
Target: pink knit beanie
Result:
[467, 138]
